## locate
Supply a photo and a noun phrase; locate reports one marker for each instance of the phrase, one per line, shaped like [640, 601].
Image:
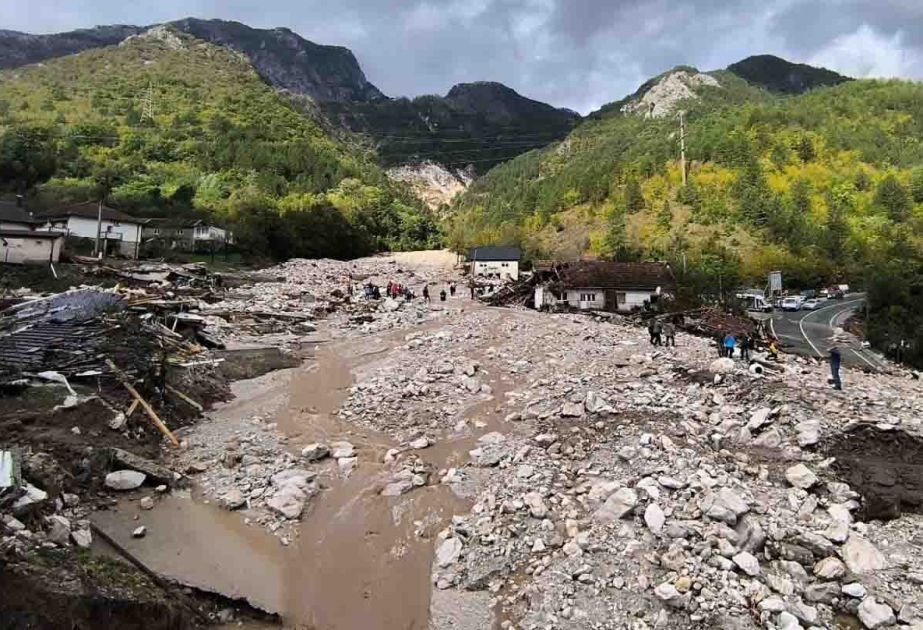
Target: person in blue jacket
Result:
[729, 343]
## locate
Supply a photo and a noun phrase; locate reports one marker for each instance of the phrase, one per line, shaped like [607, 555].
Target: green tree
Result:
[916, 185]
[841, 200]
[634, 197]
[892, 197]
[805, 149]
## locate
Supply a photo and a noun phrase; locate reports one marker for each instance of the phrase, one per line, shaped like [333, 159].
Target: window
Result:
[504, 264]
[587, 297]
[620, 298]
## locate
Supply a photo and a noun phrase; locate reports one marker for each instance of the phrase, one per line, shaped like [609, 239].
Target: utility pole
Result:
[147, 103]
[99, 226]
[682, 146]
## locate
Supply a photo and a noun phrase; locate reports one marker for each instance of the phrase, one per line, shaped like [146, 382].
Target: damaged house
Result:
[20, 240]
[602, 286]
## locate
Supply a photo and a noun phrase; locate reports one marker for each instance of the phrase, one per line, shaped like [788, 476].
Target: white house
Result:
[499, 262]
[118, 232]
[30, 246]
[207, 233]
[603, 286]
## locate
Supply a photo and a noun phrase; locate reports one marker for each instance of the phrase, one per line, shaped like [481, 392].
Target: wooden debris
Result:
[150, 411]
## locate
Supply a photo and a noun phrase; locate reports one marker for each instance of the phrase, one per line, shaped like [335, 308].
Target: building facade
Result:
[119, 233]
[22, 247]
[499, 262]
[603, 286]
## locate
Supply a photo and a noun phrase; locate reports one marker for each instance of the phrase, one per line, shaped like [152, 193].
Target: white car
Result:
[812, 304]
[791, 304]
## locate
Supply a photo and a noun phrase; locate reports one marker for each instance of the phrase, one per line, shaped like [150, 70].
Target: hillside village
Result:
[279, 350]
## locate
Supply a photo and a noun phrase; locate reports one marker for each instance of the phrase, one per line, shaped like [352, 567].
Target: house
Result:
[185, 234]
[501, 262]
[13, 216]
[24, 246]
[118, 232]
[605, 286]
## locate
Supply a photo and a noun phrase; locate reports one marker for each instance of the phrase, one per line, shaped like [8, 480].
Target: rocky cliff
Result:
[19, 49]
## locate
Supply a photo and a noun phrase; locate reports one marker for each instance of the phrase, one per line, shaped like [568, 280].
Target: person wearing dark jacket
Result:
[426, 293]
[745, 344]
[835, 367]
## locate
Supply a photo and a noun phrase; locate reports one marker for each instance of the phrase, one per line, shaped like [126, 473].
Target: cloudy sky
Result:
[570, 53]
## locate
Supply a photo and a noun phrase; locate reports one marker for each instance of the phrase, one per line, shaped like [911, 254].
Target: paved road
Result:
[810, 333]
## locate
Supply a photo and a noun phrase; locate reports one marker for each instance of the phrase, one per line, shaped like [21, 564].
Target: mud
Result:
[884, 466]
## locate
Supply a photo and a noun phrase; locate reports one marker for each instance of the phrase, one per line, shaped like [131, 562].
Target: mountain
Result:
[171, 125]
[18, 49]
[481, 124]
[477, 124]
[823, 185]
[778, 75]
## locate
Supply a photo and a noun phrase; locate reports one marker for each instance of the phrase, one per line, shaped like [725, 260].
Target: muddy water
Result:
[361, 560]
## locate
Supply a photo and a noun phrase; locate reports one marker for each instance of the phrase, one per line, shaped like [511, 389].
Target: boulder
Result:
[874, 615]
[448, 552]
[854, 589]
[288, 501]
[758, 418]
[397, 488]
[59, 529]
[139, 532]
[668, 594]
[722, 366]
[830, 568]
[862, 557]
[536, 505]
[618, 506]
[340, 450]
[594, 403]
[808, 433]
[654, 518]
[801, 476]
[233, 499]
[82, 537]
[297, 477]
[747, 563]
[146, 503]
[315, 452]
[420, 443]
[123, 480]
[155, 472]
[572, 410]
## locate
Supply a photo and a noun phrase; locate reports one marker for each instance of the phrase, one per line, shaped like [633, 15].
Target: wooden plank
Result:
[150, 411]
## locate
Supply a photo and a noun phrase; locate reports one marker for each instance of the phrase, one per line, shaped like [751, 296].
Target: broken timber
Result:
[150, 411]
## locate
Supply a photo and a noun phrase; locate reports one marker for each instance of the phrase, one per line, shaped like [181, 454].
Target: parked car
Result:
[812, 304]
[791, 304]
[836, 293]
[807, 294]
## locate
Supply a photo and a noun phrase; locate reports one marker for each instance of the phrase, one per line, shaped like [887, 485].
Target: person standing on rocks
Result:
[745, 344]
[669, 333]
[658, 333]
[452, 289]
[729, 342]
[835, 367]
[442, 296]
[650, 331]
[426, 293]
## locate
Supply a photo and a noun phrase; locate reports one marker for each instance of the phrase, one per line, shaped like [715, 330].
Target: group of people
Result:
[662, 334]
[727, 343]
[442, 292]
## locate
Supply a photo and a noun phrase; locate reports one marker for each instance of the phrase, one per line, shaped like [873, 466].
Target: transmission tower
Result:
[147, 103]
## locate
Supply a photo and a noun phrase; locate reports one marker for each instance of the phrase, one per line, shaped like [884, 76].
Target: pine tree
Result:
[892, 197]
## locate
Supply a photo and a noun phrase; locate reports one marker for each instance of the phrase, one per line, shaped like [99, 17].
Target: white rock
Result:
[572, 410]
[758, 418]
[862, 557]
[830, 568]
[448, 552]
[747, 563]
[875, 615]
[772, 604]
[808, 433]
[654, 518]
[536, 504]
[59, 529]
[288, 501]
[668, 594]
[339, 450]
[83, 538]
[722, 366]
[420, 443]
[594, 403]
[787, 621]
[315, 452]
[297, 477]
[854, 589]
[619, 505]
[146, 503]
[139, 532]
[125, 479]
[801, 476]
[233, 499]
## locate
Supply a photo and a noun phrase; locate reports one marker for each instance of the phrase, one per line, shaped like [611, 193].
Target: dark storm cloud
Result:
[574, 53]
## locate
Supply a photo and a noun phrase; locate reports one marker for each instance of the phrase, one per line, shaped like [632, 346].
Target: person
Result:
[426, 293]
[835, 367]
[376, 292]
[452, 289]
[471, 286]
[650, 331]
[390, 289]
[669, 332]
[729, 342]
[720, 339]
[658, 333]
[745, 345]
[442, 296]
[774, 349]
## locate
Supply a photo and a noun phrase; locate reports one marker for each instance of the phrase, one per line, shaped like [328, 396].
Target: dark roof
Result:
[12, 213]
[616, 275]
[89, 210]
[166, 222]
[495, 252]
[30, 234]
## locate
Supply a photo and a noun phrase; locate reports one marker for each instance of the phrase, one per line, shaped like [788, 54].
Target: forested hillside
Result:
[826, 186]
[221, 142]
